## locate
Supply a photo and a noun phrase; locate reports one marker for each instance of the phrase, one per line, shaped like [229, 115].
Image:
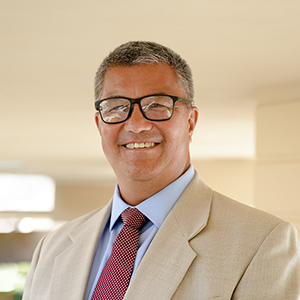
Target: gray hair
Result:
[143, 53]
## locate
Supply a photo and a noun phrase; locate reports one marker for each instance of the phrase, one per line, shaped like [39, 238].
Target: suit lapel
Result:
[169, 255]
[78, 257]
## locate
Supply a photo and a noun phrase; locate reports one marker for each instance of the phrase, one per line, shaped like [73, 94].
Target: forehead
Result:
[141, 80]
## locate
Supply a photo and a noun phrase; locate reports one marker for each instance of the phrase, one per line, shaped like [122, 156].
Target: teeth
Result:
[139, 145]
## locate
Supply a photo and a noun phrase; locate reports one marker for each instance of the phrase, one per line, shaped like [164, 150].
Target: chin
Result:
[141, 173]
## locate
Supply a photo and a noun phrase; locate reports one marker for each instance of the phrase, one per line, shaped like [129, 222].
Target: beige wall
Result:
[277, 172]
[76, 199]
[271, 182]
[231, 177]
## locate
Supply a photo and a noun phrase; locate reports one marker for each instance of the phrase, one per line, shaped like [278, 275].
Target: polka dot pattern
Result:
[114, 279]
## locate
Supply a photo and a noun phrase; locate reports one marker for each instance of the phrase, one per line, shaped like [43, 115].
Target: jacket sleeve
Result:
[33, 265]
[274, 271]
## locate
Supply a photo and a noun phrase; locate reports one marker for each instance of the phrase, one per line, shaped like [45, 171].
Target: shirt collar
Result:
[157, 207]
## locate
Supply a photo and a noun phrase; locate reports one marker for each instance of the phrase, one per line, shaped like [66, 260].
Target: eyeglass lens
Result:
[153, 107]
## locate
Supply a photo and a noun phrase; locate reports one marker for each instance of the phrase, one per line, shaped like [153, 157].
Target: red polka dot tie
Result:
[114, 279]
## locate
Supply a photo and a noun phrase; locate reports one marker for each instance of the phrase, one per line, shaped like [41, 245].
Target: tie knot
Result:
[133, 217]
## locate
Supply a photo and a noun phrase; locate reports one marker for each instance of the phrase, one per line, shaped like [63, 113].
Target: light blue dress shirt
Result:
[155, 208]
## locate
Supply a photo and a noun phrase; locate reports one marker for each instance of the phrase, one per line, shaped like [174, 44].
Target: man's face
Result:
[143, 150]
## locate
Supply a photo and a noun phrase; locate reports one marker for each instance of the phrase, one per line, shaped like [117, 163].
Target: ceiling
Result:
[241, 53]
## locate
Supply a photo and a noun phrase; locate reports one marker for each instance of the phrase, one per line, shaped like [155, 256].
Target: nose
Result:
[137, 122]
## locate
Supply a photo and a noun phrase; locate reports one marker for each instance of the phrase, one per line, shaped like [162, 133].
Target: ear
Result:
[98, 121]
[193, 118]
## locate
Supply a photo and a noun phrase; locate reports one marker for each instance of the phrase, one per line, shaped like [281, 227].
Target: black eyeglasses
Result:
[153, 107]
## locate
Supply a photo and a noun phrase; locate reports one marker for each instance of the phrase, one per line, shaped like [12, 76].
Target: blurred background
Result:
[246, 65]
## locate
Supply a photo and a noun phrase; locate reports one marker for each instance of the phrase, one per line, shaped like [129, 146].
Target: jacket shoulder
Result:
[63, 235]
[242, 213]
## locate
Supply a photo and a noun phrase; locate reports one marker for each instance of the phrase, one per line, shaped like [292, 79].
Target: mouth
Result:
[140, 145]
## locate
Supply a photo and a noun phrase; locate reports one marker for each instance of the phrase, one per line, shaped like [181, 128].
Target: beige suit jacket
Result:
[209, 247]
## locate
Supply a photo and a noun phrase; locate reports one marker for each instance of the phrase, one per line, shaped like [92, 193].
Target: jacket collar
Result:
[78, 256]
[169, 255]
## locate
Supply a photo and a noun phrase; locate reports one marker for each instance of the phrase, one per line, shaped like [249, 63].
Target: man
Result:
[194, 242]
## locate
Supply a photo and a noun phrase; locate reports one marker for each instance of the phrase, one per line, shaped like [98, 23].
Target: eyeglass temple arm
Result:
[190, 102]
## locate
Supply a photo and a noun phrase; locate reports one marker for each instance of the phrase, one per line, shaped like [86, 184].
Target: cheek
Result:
[176, 137]
[108, 138]
[179, 128]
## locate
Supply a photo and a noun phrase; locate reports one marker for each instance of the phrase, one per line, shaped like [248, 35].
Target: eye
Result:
[119, 108]
[157, 105]
[154, 105]
[115, 106]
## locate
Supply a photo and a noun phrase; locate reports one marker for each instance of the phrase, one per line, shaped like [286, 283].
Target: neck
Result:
[135, 192]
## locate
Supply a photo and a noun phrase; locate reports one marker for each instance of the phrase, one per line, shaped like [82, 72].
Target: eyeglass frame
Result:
[138, 101]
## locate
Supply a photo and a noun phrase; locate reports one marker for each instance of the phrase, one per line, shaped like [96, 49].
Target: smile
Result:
[139, 145]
